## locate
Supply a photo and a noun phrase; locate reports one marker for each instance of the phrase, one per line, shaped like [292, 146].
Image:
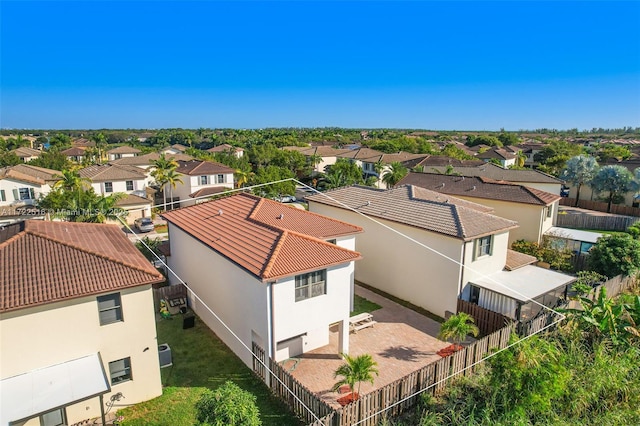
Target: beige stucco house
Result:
[122, 152]
[24, 184]
[533, 209]
[419, 245]
[277, 276]
[77, 323]
[27, 154]
[199, 179]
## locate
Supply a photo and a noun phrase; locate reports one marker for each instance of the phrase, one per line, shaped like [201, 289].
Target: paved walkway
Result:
[401, 342]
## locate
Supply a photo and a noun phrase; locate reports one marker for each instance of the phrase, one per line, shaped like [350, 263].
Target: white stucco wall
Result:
[242, 301]
[191, 184]
[552, 188]
[401, 267]
[8, 185]
[120, 186]
[485, 265]
[51, 334]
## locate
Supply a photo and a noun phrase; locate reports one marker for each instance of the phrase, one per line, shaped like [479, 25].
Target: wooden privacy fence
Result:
[614, 286]
[601, 206]
[168, 292]
[486, 320]
[586, 221]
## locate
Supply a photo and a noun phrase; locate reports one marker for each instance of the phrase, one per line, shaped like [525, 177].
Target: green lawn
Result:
[360, 305]
[200, 360]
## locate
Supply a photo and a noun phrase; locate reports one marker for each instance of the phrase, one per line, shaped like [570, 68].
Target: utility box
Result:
[164, 352]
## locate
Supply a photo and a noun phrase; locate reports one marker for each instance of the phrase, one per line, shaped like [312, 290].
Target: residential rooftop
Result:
[479, 187]
[267, 239]
[29, 173]
[201, 168]
[125, 149]
[148, 159]
[111, 172]
[45, 262]
[495, 172]
[419, 208]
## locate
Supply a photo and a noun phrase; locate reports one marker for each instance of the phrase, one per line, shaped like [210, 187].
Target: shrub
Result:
[228, 405]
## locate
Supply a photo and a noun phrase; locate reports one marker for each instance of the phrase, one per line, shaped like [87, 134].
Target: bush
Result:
[228, 406]
[614, 255]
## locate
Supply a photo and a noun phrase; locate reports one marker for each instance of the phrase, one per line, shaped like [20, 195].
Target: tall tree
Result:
[616, 180]
[396, 172]
[172, 178]
[160, 168]
[579, 170]
[70, 180]
[356, 370]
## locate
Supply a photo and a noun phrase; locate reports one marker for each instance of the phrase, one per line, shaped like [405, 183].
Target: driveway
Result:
[401, 342]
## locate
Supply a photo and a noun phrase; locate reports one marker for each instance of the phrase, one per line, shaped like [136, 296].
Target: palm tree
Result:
[70, 180]
[242, 177]
[313, 160]
[161, 167]
[457, 327]
[356, 370]
[172, 178]
[395, 174]
[521, 158]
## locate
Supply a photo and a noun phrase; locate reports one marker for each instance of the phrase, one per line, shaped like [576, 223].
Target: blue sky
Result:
[433, 65]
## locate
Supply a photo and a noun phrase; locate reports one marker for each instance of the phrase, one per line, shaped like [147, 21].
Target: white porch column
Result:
[343, 336]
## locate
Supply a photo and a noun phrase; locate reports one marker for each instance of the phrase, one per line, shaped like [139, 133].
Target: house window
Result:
[3, 197]
[110, 308]
[120, 370]
[54, 418]
[483, 246]
[129, 185]
[333, 241]
[204, 180]
[108, 187]
[550, 210]
[25, 194]
[474, 294]
[220, 178]
[311, 285]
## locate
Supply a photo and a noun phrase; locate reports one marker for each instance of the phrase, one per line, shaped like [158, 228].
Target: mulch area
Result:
[449, 350]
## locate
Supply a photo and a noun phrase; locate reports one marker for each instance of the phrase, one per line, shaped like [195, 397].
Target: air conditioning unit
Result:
[164, 352]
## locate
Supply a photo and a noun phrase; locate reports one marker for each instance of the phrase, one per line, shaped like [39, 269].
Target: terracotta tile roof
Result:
[111, 172]
[408, 159]
[24, 152]
[498, 153]
[428, 195]
[132, 200]
[363, 154]
[266, 238]
[82, 142]
[147, 159]
[73, 152]
[405, 205]
[480, 188]
[225, 147]
[517, 260]
[48, 262]
[178, 147]
[211, 190]
[124, 150]
[201, 168]
[322, 151]
[493, 171]
[29, 173]
[442, 161]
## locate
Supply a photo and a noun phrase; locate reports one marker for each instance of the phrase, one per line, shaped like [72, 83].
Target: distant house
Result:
[145, 162]
[27, 154]
[432, 249]
[327, 155]
[576, 240]
[200, 178]
[277, 276]
[107, 179]
[24, 184]
[75, 154]
[533, 209]
[174, 149]
[122, 152]
[229, 149]
[630, 198]
[473, 241]
[505, 157]
[77, 321]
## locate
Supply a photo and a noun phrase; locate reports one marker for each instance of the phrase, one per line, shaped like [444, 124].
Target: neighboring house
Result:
[439, 163]
[122, 152]
[576, 240]
[277, 276]
[24, 184]
[174, 149]
[530, 150]
[534, 210]
[83, 143]
[27, 154]
[529, 178]
[229, 149]
[107, 179]
[199, 179]
[77, 321]
[505, 157]
[326, 154]
[145, 162]
[630, 198]
[452, 241]
[75, 154]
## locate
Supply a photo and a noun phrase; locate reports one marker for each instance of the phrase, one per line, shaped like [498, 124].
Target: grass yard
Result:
[360, 305]
[200, 360]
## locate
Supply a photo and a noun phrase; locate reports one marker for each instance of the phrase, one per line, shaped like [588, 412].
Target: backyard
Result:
[200, 361]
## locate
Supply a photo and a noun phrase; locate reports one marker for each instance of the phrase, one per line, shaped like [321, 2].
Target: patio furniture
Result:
[360, 321]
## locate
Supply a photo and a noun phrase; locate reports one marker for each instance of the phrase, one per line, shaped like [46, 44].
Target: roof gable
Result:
[201, 168]
[111, 172]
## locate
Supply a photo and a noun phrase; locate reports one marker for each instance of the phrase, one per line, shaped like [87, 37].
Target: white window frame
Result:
[104, 312]
[63, 416]
[311, 284]
[220, 179]
[3, 196]
[108, 187]
[550, 211]
[25, 194]
[204, 180]
[129, 187]
[483, 247]
[120, 374]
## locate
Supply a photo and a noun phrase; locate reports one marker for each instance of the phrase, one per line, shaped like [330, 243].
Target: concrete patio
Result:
[400, 342]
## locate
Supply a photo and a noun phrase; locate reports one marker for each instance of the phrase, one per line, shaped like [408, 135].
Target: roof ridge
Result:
[84, 250]
[460, 225]
[273, 256]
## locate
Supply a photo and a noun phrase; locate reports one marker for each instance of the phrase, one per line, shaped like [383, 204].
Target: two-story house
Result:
[77, 322]
[24, 184]
[122, 152]
[277, 276]
[534, 210]
[75, 154]
[228, 149]
[200, 179]
[26, 154]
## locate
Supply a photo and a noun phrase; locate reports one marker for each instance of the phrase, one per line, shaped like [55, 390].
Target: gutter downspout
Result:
[462, 268]
[271, 346]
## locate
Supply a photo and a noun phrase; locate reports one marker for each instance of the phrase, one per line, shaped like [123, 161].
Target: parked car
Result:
[286, 199]
[144, 224]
